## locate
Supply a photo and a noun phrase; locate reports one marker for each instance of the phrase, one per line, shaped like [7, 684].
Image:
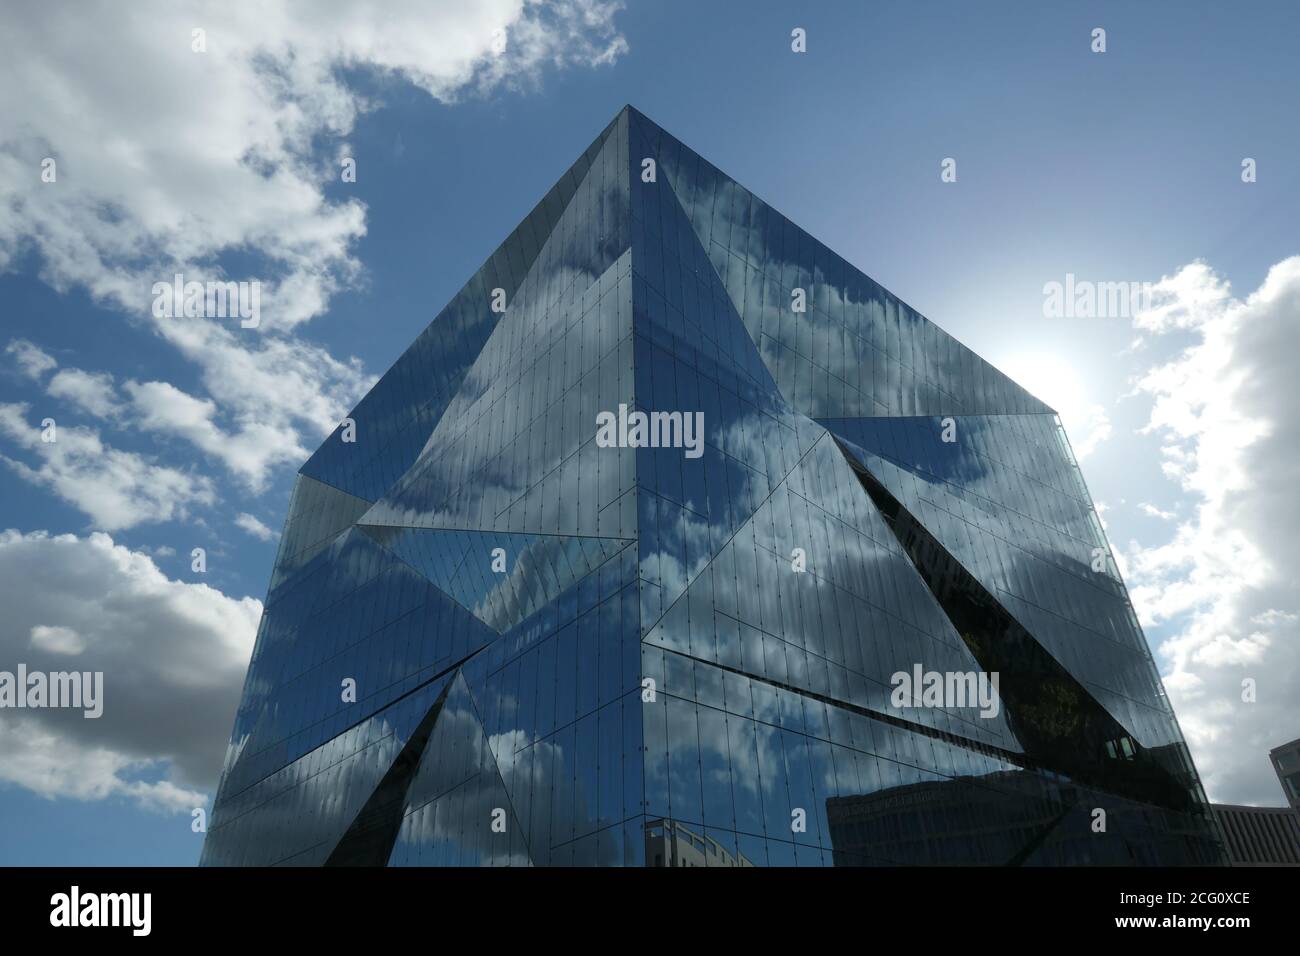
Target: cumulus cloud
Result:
[172, 653]
[167, 157]
[52, 765]
[1224, 582]
[32, 360]
[115, 488]
[261, 400]
[90, 391]
[268, 395]
[249, 451]
[253, 526]
[57, 640]
[169, 160]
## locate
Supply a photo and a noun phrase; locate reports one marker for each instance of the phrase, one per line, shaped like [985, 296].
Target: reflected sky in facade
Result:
[650, 680]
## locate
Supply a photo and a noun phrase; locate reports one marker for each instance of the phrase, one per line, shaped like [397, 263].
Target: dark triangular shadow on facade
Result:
[1039, 838]
[1058, 722]
[457, 808]
[369, 840]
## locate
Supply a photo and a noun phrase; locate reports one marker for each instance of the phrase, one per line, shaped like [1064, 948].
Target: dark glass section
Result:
[353, 613]
[369, 840]
[494, 637]
[1060, 725]
[1006, 500]
[295, 815]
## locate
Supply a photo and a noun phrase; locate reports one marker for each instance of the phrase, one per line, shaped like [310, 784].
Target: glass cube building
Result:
[492, 638]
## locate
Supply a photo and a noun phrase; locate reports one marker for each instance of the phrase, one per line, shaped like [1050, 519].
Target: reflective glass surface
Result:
[492, 638]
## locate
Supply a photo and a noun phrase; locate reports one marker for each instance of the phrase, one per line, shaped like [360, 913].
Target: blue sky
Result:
[1115, 166]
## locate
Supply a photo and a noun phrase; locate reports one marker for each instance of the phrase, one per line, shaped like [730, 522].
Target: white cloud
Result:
[90, 391]
[1224, 583]
[116, 489]
[262, 399]
[32, 359]
[167, 157]
[57, 640]
[53, 765]
[1091, 425]
[250, 452]
[254, 527]
[1152, 511]
[169, 160]
[268, 395]
[172, 653]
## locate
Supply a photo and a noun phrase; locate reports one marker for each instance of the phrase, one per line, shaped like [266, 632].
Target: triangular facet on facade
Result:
[503, 631]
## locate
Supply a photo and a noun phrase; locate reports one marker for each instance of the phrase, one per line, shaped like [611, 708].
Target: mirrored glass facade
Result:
[495, 637]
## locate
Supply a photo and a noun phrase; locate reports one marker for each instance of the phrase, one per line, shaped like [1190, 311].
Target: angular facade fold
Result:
[565, 651]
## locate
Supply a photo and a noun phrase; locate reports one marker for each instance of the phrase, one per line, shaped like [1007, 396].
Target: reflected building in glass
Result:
[495, 636]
